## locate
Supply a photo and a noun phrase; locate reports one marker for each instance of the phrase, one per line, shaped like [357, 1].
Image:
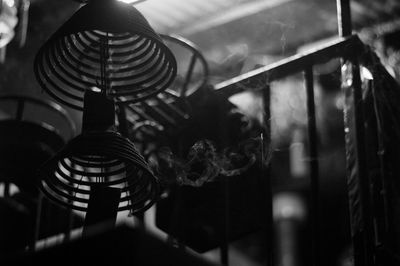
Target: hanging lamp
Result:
[99, 159]
[106, 44]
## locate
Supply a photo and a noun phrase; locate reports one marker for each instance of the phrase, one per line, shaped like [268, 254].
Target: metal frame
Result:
[347, 47]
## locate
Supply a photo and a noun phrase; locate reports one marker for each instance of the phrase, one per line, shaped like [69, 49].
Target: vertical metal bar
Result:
[36, 233]
[344, 17]
[20, 109]
[313, 160]
[383, 192]
[362, 165]
[70, 216]
[224, 253]
[189, 74]
[266, 139]
[362, 237]
[6, 189]
[224, 247]
[24, 18]
[3, 53]
[68, 228]
[122, 121]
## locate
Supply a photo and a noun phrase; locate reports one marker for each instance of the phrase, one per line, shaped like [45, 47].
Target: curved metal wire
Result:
[21, 100]
[170, 108]
[190, 83]
[31, 131]
[99, 159]
[137, 64]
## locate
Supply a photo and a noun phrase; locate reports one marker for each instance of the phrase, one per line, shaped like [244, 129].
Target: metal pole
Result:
[362, 237]
[224, 247]
[36, 233]
[314, 167]
[189, 74]
[266, 138]
[344, 18]
[367, 234]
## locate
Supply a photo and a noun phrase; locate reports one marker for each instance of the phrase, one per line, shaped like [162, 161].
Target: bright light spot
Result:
[339, 102]
[131, 1]
[12, 189]
[366, 74]
[9, 2]
[289, 206]
[95, 89]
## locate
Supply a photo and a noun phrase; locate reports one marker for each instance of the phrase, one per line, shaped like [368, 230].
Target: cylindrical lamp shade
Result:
[109, 45]
[95, 160]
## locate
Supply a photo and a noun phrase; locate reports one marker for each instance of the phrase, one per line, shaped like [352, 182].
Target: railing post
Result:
[358, 182]
[344, 17]
[314, 166]
[266, 139]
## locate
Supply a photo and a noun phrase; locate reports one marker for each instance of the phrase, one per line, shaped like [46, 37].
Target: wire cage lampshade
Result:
[109, 45]
[97, 160]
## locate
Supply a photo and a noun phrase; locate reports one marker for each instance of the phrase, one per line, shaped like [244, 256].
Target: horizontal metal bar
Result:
[342, 47]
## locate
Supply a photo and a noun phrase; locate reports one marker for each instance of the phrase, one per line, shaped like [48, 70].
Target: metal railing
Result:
[348, 49]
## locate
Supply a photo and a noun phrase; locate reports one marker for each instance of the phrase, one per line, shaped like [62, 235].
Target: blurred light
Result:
[287, 205]
[366, 74]
[9, 2]
[8, 21]
[132, 1]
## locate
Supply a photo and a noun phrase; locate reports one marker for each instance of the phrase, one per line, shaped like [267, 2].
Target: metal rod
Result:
[224, 254]
[122, 121]
[3, 52]
[70, 216]
[6, 189]
[313, 160]
[342, 47]
[171, 93]
[24, 18]
[162, 117]
[266, 173]
[362, 240]
[189, 74]
[384, 191]
[367, 245]
[136, 110]
[20, 109]
[344, 18]
[36, 233]
[172, 108]
[224, 247]
[68, 228]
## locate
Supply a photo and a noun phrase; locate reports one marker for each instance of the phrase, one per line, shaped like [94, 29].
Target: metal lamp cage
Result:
[70, 176]
[107, 45]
